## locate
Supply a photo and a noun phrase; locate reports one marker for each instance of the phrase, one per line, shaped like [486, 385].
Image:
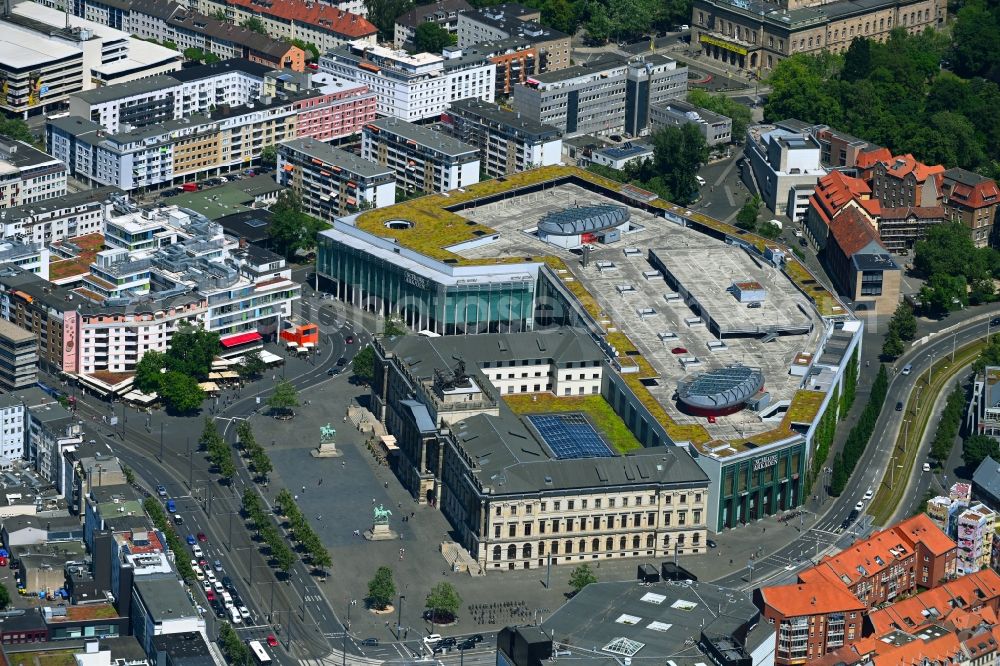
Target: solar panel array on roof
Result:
[570, 436]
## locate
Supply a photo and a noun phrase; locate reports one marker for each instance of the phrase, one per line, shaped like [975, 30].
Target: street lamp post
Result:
[399, 617]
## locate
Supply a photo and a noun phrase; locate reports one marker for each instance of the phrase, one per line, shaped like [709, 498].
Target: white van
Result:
[701, 181]
[234, 616]
[227, 601]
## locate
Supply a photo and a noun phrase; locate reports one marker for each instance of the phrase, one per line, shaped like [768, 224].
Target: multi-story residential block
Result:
[412, 87]
[33, 304]
[27, 175]
[716, 128]
[198, 144]
[333, 182]
[32, 257]
[823, 611]
[67, 216]
[548, 508]
[944, 511]
[511, 20]
[325, 25]
[443, 13]
[901, 228]
[976, 527]
[906, 182]
[507, 141]
[972, 200]
[18, 357]
[943, 604]
[52, 431]
[14, 426]
[422, 159]
[59, 55]
[785, 165]
[755, 35]
[604, 96]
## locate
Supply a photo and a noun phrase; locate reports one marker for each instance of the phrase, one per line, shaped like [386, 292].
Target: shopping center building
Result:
[716, 344]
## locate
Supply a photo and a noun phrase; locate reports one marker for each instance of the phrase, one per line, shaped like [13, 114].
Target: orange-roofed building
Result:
[866, 160]
[860, 265]
[810, 619]
[972, 200]
[977, 593]
[320, 23]
[834, 191]
[904, 181]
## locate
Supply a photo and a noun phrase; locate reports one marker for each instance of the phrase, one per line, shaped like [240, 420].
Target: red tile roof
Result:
[317, 14]
[902, 165]
[920, 528]
[920, 212]
[949, 601]
[852, 232]
[869, 158]
[945, 649]
[810, 599]
[970, 189]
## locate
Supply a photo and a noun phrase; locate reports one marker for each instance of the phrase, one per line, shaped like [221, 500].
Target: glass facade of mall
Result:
[380, 286]
[753, 488]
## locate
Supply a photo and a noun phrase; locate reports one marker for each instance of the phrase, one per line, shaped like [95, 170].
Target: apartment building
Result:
[13, 429]
[972, 200]
[325, 25]
[755, 35]
[18, 357]
[34, 304]
[411, 87]
[70, 215]
[975, 532]
[187, 148]
[823, 611]
[443, 13]
[513, 21]
[333, 182]
[422, 159]
[716, 128]
[906, 182]
[507, 141]
[28, 175]
[59, 55]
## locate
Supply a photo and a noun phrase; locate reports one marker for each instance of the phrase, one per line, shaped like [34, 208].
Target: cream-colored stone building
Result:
[509, 436]
[754, 35]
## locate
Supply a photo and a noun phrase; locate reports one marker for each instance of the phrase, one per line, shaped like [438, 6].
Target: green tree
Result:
[444, 602]
[4, 597]
[171, 45]
[16, 129]
[747, 217]
[252, 364]
[269, 156]
[129, 474]
[256, 24]
[581, 577]
[383, 14]
[180, 392]
[291, 229]
[312, 51]
[364, 364]
[943, 293]
[976, 447]
[989, 356]
[210, 436]
[904, 322]
[192, 350]
[220, 15]
[561, 15]
[857, 60]
[598, 24]
[431, 38]
[284, 398]
[393, 326]
[149, 371]
[194, 53]
[381, 588]
[892, 346]
[678, 152]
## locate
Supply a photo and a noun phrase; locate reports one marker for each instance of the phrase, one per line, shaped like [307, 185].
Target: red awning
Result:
[241, 339]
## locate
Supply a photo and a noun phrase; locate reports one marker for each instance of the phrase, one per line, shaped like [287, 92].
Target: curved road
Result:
[827, 533]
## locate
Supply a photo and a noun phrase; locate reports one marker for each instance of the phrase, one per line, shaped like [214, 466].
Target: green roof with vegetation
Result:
[594, 406]
[435, 229]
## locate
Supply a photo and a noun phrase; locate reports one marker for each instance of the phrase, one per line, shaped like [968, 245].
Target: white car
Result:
[860, 506]
[701, 181]
[196, 549]
[210, 576]
[244, 612]
[205, 585]
[433, 638]
[869, 494]
[217, 586]
[199, 574]
[927, 467]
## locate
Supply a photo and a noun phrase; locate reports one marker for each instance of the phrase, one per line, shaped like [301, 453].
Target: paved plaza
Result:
[338, 497]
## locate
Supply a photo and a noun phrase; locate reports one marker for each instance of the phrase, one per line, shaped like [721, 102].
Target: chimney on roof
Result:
[814, 601]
